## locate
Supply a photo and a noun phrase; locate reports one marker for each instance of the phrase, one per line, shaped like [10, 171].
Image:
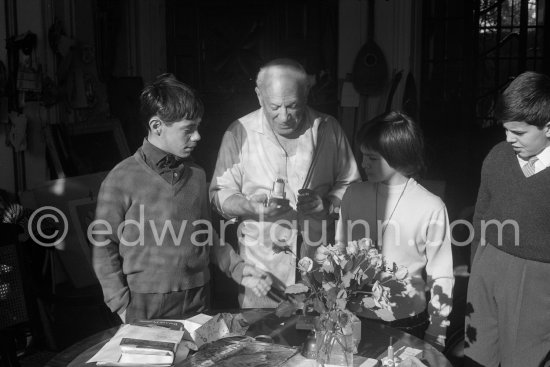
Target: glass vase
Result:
[334, 348]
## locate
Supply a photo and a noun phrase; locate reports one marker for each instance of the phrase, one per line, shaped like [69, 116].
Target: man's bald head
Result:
[282, 70]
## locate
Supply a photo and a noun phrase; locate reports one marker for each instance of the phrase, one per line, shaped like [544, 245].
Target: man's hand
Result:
[438, 342]
[256, 279]
[310, 203]
[264, 212]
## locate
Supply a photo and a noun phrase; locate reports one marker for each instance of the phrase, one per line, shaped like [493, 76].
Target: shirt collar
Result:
[543, 157]
[158, 158]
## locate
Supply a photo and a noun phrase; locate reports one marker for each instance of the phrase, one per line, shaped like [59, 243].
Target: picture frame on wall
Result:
[85, 148]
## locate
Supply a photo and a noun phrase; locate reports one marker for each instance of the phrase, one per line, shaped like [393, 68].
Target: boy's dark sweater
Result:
[507, 197]
[137, 195]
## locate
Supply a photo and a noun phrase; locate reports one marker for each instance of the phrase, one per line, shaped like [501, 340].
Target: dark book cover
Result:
[168, 324]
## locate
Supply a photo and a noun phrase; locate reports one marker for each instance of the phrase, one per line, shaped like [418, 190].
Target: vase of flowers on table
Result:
[339, 281]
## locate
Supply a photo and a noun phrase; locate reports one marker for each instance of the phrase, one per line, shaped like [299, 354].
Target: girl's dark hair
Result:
[397, 138]
[526, 99]
[170, 100]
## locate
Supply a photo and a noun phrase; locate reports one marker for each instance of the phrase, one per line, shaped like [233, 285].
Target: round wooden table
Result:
[374, 339]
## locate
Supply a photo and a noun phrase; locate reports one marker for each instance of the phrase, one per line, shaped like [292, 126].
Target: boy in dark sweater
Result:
[508, 320]
[152, 236]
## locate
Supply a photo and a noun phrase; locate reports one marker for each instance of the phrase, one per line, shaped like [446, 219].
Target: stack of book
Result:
[148, 352]
[135, 345]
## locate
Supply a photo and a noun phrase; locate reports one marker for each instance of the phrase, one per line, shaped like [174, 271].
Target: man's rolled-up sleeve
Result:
[346, 166]
[227, 178]
[221, 253]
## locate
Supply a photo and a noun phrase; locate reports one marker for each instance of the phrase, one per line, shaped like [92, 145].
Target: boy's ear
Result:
[547, 129]
[155, 125]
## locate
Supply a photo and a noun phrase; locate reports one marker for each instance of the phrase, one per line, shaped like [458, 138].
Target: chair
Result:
[13, 310]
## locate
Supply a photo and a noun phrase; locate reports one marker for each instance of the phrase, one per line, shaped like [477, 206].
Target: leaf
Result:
[332, 294]
[296, 288]
[348, 266]
[354, 306]
[385, 314]
[285, 309]
[298, 298]
[319, 306]
[341, 299]
[319, 277]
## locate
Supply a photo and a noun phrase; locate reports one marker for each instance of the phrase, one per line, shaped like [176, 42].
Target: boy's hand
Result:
[257, 280]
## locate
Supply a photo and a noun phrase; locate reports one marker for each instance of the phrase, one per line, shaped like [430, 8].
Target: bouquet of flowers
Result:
[339, 277]
[338, 282]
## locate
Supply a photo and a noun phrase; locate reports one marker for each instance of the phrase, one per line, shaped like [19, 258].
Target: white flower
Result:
[368, 302]
[352, 248]
[376, 262]
[327, 266]
[305, 264]
[372, 252]
[365, 244]
[321, 254]
[339, 248]
[401, 273]
[377, 290]
[327, 286]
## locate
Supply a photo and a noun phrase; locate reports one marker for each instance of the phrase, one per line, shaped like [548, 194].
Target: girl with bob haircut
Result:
[409, 225]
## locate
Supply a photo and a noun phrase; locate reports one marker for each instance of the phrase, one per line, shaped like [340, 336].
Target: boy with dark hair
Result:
[153, 237]
[509, 293]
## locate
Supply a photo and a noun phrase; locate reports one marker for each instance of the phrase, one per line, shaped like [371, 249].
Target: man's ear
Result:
[155, 125]
[547, 129]
[259, 95]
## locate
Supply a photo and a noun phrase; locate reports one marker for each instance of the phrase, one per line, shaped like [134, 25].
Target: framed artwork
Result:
[74, 198]
[85, 148]
[82, 212]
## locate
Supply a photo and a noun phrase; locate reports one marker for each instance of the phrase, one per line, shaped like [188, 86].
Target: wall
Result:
[29, 18]
[6, 157]
[397, 32]
[141, 52]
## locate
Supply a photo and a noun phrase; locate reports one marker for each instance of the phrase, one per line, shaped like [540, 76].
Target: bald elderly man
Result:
[300, 152]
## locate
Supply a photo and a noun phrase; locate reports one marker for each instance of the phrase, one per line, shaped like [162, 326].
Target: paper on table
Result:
[110, 354]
